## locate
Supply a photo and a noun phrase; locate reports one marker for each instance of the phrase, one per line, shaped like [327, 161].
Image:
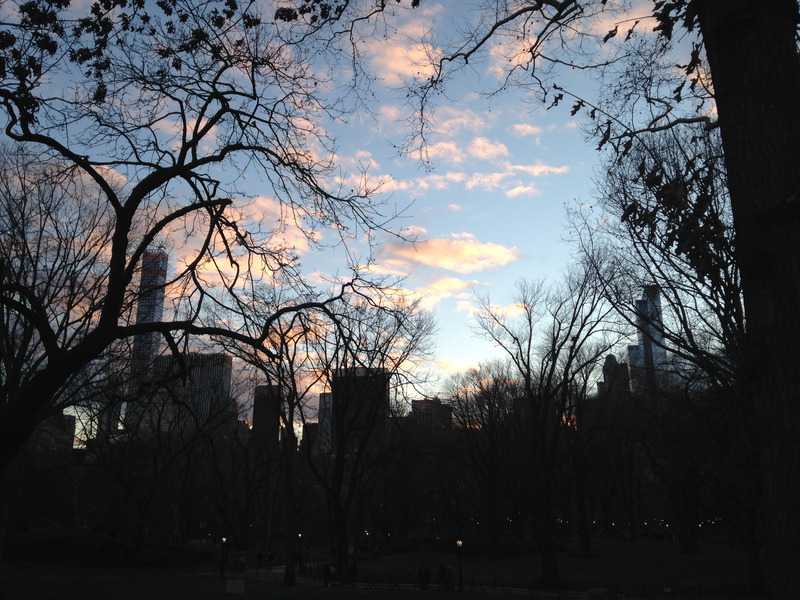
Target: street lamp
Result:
[222, 558]
[460, 543]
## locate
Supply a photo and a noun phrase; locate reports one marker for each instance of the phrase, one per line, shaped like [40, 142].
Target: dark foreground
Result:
[633, 570]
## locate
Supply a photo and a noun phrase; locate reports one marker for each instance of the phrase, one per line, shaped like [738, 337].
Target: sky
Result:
[489, 208]
[490, 212]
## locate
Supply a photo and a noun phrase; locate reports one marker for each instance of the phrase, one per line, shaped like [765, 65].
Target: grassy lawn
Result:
[634, 569]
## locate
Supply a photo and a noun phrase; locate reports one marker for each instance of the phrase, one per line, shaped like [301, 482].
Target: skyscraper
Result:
[325, 418]
[648, 358]
[149, 309]
[169, 393]
[266, 417]
[190, 393]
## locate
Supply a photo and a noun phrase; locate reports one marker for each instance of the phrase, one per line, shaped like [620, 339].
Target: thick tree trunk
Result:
[752, 551]
[23, 412]
[752, 53]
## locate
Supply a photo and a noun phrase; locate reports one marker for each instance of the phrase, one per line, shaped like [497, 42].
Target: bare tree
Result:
[158, 111]
[732, 43]
[684, 244]
[554, 340]
[483, 412]
[368, 357]
[357, 343]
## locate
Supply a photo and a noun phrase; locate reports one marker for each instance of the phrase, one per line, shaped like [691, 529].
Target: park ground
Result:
[640, 569]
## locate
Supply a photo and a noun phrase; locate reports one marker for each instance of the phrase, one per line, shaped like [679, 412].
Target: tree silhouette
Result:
[554, 340]
[729, 86]
[157, 111]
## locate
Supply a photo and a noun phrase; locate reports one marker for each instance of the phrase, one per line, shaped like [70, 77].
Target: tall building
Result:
[56, 433]
[186, 393]
[325, 420]
[647, 359]
[149, 309]
[616, 377]
[360, 407]
[266, 417]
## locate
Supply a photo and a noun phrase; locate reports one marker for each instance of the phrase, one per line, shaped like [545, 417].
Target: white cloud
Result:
[539, 169]
[452, 121]
[485, 149]
[415, 231]
[523, 129]
[449, 151]
[441, 182]
[522, 190]
[486, 181]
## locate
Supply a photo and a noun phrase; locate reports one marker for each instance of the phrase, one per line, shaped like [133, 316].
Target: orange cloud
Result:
[288, 229]
[401, 57]
[461, 254]
[446, 287]
[492, 181]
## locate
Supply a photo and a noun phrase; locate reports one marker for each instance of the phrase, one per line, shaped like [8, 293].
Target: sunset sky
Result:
[492, 209]
[487, 209]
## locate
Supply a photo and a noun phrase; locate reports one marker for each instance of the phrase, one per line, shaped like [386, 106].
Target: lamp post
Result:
[460, 543]
[222, 558]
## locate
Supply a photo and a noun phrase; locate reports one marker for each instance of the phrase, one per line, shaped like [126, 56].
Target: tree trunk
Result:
[340, 532]
[4, 502]
[752, 53]
[545, 523]
[581, 511]
[289, 451]
[752, 550]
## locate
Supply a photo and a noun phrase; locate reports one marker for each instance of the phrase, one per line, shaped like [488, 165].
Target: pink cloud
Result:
[446, 287]
[460, 253]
